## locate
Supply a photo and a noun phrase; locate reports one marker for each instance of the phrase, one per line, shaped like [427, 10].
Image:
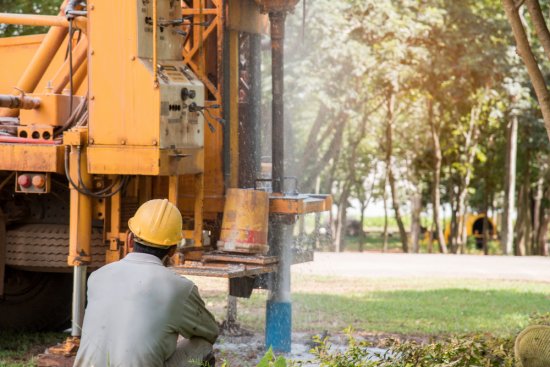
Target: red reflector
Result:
[24, 181]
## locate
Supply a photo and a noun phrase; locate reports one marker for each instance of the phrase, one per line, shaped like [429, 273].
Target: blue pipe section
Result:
[278, 326]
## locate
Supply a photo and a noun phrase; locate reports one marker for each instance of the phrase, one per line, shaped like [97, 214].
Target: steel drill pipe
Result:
[20, 102]
[277, 20]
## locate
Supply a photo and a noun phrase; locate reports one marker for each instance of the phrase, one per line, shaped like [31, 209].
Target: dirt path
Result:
[426, 265]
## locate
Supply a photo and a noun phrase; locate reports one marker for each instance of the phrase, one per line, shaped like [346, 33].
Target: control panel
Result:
[142, 121]
[181, 125]
[170, 36]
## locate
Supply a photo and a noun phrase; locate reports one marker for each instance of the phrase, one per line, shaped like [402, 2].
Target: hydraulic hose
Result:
[81, 188]
[70, 9]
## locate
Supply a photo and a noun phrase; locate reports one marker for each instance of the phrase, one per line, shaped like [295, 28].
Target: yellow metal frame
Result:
[134, 149]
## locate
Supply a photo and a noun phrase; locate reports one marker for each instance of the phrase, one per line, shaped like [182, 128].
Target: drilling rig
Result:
[125, 101]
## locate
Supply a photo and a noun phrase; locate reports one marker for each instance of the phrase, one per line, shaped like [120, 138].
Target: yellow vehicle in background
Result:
[474, 228]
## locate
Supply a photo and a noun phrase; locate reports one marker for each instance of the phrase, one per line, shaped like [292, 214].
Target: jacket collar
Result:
[138, 257]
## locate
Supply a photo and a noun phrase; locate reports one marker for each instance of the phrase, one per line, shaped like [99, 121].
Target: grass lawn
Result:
[374, 241]
[420, 307]
[409, 307]
[20, 349]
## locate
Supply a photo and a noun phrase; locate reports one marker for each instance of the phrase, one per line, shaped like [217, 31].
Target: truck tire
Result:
[35, 301]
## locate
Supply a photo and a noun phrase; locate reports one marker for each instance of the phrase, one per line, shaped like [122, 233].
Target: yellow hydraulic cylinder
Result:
[245, 221]
[80, 228]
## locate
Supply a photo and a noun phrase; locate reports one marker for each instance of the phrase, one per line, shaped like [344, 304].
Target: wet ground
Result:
[244, 351]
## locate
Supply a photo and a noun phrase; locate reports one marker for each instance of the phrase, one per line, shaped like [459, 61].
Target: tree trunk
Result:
[390, 102]
[486, 224]
[470, 147]
[544, 221]
[507, 234]
[455, 217]
[542, 234]
[362, 234]
[431, 239]
[526, 54]
[523, 224]
[436, 196]
[317, 243]
[332, 154]
[385, 233]
[537, 202]
[400, 225]
[339, 241]
[328, 185]
[488, 195]
[416, 209]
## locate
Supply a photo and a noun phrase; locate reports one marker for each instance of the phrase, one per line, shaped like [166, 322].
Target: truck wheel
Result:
[35, 301]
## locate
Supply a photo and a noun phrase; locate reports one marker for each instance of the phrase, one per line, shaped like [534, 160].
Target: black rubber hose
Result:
[102, 194]
[70, 9]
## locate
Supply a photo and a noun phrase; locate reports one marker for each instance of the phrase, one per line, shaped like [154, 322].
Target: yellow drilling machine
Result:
[124, 101]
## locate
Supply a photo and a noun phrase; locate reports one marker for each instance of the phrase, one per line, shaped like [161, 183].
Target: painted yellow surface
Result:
[124, 132]
[470, 220]
[31, 158]
[245, 221]
[21, 50]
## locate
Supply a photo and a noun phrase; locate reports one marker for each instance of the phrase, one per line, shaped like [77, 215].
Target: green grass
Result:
[373, 242]
[378, 222]
[408, 307]
[420, 307]
[444, 311]
[18, 349]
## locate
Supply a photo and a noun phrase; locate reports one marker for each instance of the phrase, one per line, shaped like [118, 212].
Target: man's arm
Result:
[197, 320]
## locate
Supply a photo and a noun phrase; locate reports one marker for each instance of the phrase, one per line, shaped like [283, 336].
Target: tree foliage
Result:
[455, 80]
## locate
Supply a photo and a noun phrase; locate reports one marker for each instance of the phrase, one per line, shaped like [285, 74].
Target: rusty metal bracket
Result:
[221, 270]
[287, 178]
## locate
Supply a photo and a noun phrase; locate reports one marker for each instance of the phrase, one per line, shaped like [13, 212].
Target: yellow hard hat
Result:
[158, 223]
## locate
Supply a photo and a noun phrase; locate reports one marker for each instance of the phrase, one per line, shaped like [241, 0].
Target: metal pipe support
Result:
[278, 334]
[79, 299]
[20, 102]
[34, 20]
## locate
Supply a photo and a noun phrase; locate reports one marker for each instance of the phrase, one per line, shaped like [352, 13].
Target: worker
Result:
[137, 307]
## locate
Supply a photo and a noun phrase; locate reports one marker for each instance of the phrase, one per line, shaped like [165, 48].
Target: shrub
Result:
[471, 350]
[464, 351]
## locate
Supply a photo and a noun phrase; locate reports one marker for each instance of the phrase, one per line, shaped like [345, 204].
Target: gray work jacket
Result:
[136, 309]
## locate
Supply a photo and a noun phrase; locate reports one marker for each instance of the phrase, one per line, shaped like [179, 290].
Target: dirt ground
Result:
[378, 265]
[246, 351]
